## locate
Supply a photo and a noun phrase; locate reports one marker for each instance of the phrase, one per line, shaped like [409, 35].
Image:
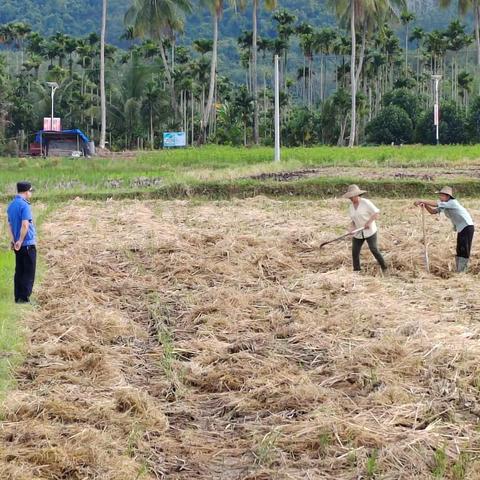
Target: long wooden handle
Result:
[425, 246]
[342, 236]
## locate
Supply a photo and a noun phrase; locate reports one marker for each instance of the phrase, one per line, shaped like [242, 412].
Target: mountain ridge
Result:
[81, 17]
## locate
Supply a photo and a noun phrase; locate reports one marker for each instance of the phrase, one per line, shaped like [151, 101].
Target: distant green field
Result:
[213, 168]
[216, 157]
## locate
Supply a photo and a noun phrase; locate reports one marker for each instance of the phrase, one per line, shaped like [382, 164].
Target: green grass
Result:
[11, 332]
[11, 340]
[441, 463]
[207, 167]
[216, 157]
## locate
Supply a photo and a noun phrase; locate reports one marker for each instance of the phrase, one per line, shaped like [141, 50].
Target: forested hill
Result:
[74, 17]
[80, 17]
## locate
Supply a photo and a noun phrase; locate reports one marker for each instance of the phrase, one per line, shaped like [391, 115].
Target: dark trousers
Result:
[357, 244]
[464, 241]
[25, 266]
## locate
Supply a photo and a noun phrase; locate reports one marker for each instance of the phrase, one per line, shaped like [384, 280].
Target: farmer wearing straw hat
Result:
[363, 214]
[461, 220]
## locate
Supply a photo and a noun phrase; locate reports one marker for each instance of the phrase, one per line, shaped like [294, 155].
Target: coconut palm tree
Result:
[216, 7]
[103, 100]
[159, 20]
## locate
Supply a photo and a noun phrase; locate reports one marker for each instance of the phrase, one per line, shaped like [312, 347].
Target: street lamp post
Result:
[54, 87]
[436, 107]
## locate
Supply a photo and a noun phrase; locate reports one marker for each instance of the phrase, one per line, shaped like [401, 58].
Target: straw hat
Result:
[353, 191]
[447, 191]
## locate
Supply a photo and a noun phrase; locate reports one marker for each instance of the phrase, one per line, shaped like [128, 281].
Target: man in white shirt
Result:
[363, 214]
[461, 220]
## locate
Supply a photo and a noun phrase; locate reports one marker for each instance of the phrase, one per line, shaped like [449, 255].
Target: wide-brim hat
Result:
[353, 191]
[447, 191]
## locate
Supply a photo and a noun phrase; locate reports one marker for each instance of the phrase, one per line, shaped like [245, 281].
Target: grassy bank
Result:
[319, 187]
[164, 169]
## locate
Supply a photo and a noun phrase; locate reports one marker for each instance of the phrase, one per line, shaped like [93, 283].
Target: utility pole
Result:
[436, 107]
[277, 110]
[103, 99]
[54, 87]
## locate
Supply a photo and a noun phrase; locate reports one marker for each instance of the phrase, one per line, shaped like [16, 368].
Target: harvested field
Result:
[437, 174]
[188, 340]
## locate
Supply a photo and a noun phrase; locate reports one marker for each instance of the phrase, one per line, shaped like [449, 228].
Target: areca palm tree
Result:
[436, 45]
[308, 45]
[417, 35]
[464, 6]
[269, 5]
[457, 39]
[465, 82]
[326, 39]
[406, 17]
[359, 13]
[285, 28]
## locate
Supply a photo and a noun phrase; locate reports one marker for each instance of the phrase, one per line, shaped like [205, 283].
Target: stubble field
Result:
[214, 340]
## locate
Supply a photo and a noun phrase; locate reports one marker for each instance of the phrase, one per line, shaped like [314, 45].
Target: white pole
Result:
[277, 110]
[51, 118]
[436, 111]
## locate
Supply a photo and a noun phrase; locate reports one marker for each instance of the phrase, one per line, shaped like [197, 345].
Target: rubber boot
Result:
[462, 264]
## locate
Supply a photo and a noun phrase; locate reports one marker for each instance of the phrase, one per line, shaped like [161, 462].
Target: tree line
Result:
[368, 80]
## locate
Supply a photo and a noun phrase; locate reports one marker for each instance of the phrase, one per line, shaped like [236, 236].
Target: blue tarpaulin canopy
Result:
[76, 131]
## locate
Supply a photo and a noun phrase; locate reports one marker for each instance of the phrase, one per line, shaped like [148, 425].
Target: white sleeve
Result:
[371, 207]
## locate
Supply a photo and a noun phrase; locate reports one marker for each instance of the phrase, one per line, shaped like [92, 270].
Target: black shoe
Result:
[22, 300]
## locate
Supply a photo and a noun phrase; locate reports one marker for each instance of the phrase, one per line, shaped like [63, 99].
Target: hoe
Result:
[342, 237]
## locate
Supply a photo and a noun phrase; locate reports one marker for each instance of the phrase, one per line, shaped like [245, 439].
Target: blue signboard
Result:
[174, 139]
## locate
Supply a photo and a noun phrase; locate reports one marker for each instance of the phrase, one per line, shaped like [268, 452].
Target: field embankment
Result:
[224, 172]
[191, 340]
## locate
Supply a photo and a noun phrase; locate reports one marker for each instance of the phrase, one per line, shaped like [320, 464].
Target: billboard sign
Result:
[174, 139]
[56, 127]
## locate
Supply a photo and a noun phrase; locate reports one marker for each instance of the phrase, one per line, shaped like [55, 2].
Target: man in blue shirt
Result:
[461, 220]
[23, 242]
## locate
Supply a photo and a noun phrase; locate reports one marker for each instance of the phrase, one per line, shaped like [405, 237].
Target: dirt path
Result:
[187, 340]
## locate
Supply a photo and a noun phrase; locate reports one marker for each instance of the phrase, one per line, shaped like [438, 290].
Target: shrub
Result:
[453, 126]
[403, 98]
[392, 124]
